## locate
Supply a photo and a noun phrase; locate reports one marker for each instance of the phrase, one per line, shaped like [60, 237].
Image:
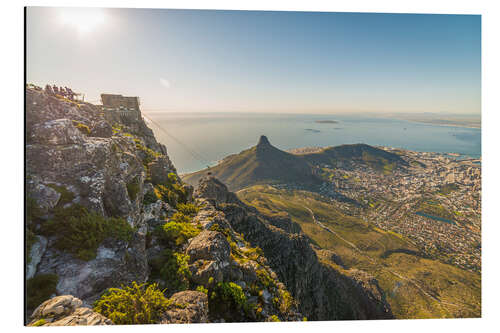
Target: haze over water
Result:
[216, 135]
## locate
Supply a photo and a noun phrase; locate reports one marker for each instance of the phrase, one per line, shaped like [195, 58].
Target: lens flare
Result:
[84, 20]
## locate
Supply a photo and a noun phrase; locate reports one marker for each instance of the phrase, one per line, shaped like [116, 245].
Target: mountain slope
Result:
[323, 292]
[345, 155]
[415, 286]
[263, 163]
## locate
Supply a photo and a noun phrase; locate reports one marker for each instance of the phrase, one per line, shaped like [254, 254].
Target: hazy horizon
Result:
[259, 61]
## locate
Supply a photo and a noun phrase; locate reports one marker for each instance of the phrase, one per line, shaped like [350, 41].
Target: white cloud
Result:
[165, 83]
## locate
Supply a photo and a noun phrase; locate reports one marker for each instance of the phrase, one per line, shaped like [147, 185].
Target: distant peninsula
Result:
[326, 122]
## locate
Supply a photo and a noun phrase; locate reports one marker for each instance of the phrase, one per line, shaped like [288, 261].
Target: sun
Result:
[84, 20]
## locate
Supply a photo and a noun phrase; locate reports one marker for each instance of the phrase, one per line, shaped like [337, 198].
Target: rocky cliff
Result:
[109, 222]
[323, 293]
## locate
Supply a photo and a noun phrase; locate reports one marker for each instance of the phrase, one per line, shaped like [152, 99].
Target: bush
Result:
[150, 198]
[265, 279]
[39, 289]
[81, 232]
[171, 191]
[202, 289]
[81, 127]
[40, 322]
[286, 301]
[225, 298]
[132, 189]
[166, 194]
[187, 209]
[135, 304]
[179, 232]
[172, 268]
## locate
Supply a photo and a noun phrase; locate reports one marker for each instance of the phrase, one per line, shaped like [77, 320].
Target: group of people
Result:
[64, 92]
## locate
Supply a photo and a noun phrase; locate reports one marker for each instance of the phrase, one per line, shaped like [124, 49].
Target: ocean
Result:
[197, 140]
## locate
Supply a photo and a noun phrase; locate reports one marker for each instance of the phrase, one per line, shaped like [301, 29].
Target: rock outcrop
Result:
[189, 307]
[78, 155]
[66, 310]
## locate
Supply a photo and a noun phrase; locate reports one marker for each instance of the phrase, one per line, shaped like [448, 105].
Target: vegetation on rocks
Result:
[80, 232]
[187, 209]
[81, 127]
[66, 195]
[150, 198]
[172, 269]
[225, 297]
[133, 189]
[179, 232]
[149, 154]
[171, 191]
[39, 288]
[134, 304]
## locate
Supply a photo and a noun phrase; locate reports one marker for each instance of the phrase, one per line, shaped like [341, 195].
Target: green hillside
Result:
[260, 164]
[266, 164]
[373, 157]
[415, 287]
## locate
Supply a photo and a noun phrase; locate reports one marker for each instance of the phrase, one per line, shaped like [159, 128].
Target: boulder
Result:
[102, 129]
[66, 310]
[36, 253]
[209, 245]
[46, 197]
[56, 132]
[188, 307]
[159, 169]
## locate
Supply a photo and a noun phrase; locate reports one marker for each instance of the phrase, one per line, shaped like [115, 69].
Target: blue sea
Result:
[197, 140]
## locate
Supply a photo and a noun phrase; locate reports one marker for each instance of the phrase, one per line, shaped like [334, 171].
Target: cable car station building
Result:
[124, 106]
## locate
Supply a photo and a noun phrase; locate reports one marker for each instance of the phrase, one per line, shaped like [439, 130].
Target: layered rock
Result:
[66, 310]
[188, 307]
[78, 155]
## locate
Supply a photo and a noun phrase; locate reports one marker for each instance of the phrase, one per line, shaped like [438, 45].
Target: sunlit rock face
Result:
[76, 154]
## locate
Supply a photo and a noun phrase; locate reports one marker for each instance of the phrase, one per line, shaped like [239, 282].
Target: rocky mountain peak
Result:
[263, 141]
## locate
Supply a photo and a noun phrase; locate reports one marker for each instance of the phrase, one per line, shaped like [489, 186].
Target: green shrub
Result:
[133, 189]
[172, 191]
[179, 232]
[39, 289]
[134, 304]
[187, 209]
[285, 302]
[274, 318]
[150, 198]
[202, 289]
[149, 154]
[40, 322]
[265, 279]
[81, 127]
[166, 194]
[66, 195]
[180, 218]
[254, 253]
[81, 232]
[172, 268]
[226, 297]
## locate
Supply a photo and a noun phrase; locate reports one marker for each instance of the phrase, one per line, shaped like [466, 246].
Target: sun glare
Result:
[84, 20]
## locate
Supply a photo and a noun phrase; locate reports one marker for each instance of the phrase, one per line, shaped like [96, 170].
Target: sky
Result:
[251, 61]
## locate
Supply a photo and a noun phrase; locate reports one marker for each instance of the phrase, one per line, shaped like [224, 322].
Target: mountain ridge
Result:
[265, 163]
